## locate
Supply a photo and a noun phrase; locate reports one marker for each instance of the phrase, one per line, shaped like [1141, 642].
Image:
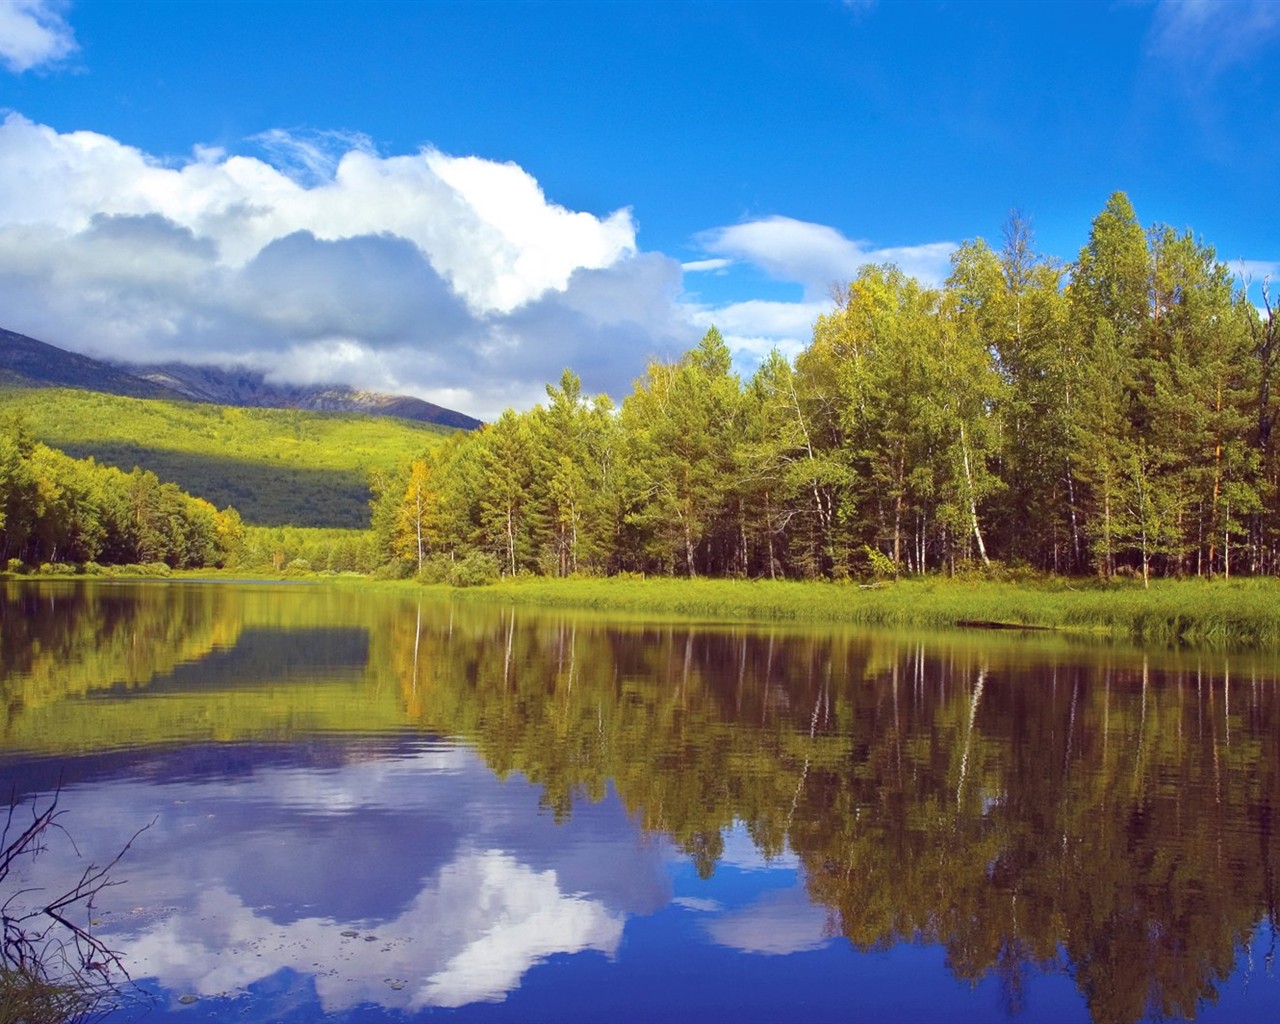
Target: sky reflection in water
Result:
[368, 809]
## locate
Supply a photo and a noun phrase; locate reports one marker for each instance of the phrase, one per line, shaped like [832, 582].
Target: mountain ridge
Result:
[29, 362]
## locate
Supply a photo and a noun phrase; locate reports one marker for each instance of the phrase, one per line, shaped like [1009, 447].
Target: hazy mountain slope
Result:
[26, 362]
[248, 388]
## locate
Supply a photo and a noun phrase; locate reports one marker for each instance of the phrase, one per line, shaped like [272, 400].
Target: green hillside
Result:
[276, 466]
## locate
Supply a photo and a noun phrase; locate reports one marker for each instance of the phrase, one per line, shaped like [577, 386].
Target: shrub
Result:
[392, 571]
[882, 567]
[475, 570]
[435, 569]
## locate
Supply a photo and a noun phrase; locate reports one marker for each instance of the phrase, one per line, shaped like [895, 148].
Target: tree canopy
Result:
[1109, 416]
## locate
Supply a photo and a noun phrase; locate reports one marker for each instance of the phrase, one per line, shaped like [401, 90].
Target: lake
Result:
[361, 806]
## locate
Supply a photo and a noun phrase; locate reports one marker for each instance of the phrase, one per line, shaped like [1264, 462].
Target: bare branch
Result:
[40, 940]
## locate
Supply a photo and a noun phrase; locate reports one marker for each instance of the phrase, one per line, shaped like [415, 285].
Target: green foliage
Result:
[1110, 417]
[475, 569]
[1106, 417]
[881, 565]
[324, 550]
[277, 466]
[59, 512]
[435, 569]
[1203, 613]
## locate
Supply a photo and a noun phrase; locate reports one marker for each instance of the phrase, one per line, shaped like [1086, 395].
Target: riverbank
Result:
[1194, 613]
[1199, 613]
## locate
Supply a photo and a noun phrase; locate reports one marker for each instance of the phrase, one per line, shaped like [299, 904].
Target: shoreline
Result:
[1242, 613]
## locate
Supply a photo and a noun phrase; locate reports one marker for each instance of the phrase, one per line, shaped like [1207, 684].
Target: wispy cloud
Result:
[703, 266]
[1254, 271]
[816, 256]
[859, 8]
[308, 157]
[33, 34]
[1212, 35]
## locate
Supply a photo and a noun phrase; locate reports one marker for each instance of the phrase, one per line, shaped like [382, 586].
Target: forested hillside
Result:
[1111, 416]
[56, 509]
[275, 466]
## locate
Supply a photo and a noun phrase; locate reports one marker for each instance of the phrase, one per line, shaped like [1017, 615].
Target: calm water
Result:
[366, 808]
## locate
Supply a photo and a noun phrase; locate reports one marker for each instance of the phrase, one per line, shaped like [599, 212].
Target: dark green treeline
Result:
[1110, 416]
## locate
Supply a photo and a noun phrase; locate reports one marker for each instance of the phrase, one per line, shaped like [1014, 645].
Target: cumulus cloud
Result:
[468, 936]
[314, 259]
[816, 256]
[436, 275]
[33, 33]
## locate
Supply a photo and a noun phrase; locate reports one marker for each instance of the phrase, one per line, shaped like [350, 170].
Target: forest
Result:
[278, 467]
[1113, 416]
[60, 511]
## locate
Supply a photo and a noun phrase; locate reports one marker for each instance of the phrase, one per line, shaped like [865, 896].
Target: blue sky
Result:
[458, 200]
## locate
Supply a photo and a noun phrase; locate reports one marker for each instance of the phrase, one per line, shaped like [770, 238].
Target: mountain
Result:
[26, 362]
[248, 388]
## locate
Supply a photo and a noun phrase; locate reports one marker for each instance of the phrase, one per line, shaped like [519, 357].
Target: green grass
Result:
[1200, 613]
[276, 466]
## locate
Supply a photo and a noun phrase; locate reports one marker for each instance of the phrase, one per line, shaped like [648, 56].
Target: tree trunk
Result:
[973, 501]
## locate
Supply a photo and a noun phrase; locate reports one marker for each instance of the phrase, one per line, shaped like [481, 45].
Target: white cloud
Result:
[701, 266]
[1255, 271]
[451, 278]
[429, 274]
[468, 936]
[817, 256]
[486, 228]
[776, 923]
[1212, 35]
[771, 319]
[34, 33]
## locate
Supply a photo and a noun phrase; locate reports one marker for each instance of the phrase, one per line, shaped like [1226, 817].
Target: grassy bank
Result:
[1173, 613]
[1244, 613]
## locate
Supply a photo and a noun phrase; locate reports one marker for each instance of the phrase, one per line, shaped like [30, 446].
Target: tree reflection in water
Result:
[1024, 803]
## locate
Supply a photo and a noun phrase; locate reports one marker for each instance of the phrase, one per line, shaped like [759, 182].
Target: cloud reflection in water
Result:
[453, 881]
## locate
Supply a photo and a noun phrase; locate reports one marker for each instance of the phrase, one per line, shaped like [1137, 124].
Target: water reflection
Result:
[474, 792]
[409, 898]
